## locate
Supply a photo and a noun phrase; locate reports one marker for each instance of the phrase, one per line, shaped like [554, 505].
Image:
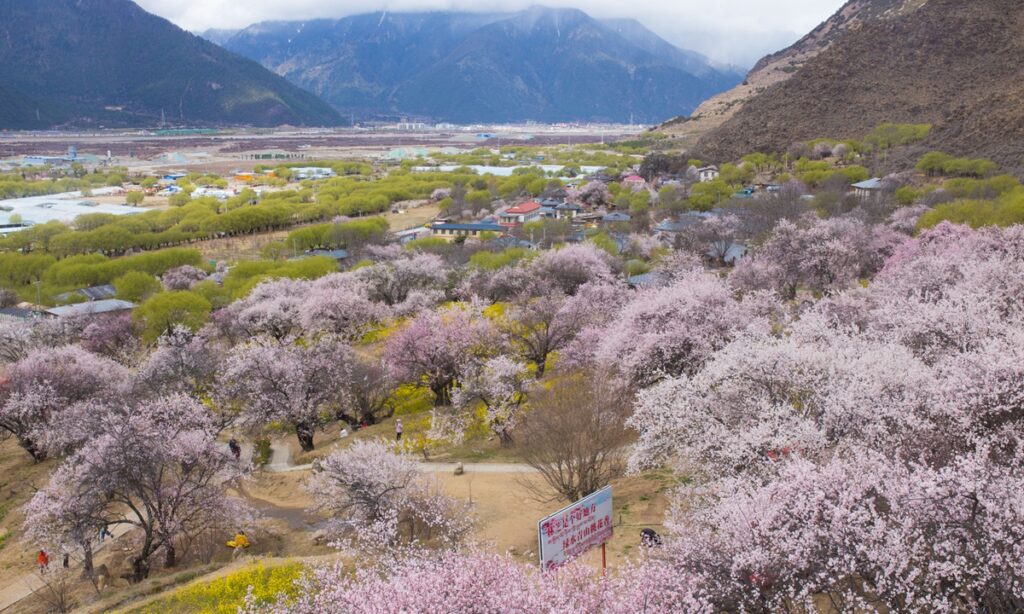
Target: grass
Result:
[225, 595]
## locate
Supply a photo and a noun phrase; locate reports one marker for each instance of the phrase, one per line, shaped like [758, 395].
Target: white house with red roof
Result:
[635, 180]
[521, 214]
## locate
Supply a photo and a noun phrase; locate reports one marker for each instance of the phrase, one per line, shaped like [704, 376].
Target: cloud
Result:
[736, 31]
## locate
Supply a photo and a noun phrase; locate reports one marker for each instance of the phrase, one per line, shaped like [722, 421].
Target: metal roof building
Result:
[91, 308]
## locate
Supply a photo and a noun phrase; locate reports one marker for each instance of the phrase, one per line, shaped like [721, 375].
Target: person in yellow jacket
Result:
[240, 541]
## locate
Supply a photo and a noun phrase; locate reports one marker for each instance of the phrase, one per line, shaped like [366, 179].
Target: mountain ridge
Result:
[538, 64]
[109, 62]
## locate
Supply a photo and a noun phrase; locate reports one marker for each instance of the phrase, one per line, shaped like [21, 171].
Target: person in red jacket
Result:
[44, 560]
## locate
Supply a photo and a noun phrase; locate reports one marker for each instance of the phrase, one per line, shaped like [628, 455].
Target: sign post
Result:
[575, 529]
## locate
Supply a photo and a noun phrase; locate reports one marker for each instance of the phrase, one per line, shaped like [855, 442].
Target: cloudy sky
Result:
[734, 31]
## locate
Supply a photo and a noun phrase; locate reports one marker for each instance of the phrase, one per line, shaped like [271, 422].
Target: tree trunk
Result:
[541, 365]
[37, 454]
[86, 560]
[170, 556]
[140, 569]
[140, 564]
[305, 435]
[442, 394]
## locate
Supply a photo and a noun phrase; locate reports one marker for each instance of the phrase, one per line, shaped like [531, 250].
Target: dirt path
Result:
[296, 519]
[29, 583]
[280, 462]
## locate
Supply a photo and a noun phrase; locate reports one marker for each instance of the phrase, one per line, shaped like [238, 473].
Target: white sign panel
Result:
[570, 532]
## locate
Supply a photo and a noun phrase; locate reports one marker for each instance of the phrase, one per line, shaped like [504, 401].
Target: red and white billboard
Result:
[571, 531]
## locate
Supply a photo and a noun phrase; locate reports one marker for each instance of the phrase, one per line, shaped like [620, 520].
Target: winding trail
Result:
[29, 583]
[280, 462]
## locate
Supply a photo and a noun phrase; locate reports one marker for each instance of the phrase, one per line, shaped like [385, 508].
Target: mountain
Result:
[108, 62]
[956, 65]
[540, 64]
[780, 66]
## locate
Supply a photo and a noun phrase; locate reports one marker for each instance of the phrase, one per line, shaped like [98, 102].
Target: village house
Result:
[707, 173]
[453, 230]
[95, 293]
[334, 254]
[634, 181]
[616, 217]
[412, 234]
[91, 308]
[520, 214]
[868, 189]
[18, 314]
[567, 211]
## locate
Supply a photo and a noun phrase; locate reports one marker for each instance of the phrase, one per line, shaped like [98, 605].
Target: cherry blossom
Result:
[113, 336]
[339, 304]
[377, 498]
[274, 309]
[672, 330]
[436, 346]
[500, 384]
[45, 382]
[391, 282]
[570, 267]
[158, 468]
[182, 278]
[290, 383]
[819, 255]
[183, 361]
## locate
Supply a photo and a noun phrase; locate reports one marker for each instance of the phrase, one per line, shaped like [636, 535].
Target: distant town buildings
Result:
[313, 172]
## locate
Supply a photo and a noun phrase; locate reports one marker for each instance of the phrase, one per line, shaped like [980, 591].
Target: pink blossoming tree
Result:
[378, 499]
[44, 383]
[436, 346]
[156, 466]
[298, 385]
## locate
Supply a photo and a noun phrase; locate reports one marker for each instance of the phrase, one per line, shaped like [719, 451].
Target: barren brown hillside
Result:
[957, 65]
[780, 66]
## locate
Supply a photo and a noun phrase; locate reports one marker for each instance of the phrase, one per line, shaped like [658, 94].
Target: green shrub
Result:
[245, 276]
[1007, 210]
[907, 195]
[136, 286]
[262, 452]
[981, 188]
[939, 163]
[890, 135]
[492, 261]
[162, 312]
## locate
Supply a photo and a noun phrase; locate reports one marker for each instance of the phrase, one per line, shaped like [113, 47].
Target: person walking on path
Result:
[44, 561]
[398, 430]
[236, 450]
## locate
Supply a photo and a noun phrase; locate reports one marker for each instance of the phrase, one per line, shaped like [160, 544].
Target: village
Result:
[626, 202]
[432, 321]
